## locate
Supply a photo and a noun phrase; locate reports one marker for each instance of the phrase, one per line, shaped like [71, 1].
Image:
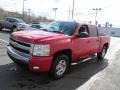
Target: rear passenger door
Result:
[8, 23]
[94, 39]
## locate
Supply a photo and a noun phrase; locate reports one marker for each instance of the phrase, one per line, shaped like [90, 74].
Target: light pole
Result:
[29, 11]
[96, 12]
[69, 13]
[23, 7]
[73, 9]
[55, 9]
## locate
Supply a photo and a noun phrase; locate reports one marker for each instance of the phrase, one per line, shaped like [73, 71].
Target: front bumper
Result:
[43, 64]
[35, 63]
[17, 56]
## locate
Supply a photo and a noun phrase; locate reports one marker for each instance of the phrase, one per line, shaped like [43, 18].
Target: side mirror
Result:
[83, 34]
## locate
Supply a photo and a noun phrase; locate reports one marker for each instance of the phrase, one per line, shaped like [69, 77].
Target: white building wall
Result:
[110, 31]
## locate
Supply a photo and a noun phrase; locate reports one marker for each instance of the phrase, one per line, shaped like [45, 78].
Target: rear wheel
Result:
[101, 55]
[60, 66]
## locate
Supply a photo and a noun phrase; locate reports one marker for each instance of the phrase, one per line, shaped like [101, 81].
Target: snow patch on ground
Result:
[111, 55]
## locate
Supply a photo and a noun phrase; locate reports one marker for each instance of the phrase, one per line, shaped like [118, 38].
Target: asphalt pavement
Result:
[89, 75]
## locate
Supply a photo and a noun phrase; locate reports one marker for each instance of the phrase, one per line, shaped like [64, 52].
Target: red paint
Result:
[44, 63]
[80, 47]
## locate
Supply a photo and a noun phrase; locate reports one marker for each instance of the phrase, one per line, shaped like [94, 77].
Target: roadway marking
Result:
[4, 41]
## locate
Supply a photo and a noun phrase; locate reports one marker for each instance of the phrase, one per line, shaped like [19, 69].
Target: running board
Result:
[82, 60]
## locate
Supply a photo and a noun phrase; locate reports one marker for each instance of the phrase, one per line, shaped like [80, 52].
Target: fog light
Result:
[36, 67]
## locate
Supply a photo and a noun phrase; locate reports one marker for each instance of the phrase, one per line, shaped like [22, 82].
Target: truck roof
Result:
[78, 22]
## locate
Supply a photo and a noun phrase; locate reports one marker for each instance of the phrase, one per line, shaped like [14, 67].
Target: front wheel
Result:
[60, 66]
[101, 54]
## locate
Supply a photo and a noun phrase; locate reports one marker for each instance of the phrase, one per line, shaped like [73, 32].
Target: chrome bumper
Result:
[17, 55]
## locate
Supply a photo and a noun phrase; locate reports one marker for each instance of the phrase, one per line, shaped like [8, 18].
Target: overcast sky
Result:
[83, 9]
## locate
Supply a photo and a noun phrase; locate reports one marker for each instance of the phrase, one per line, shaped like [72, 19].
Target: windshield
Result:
[67, 28]
[20, 21]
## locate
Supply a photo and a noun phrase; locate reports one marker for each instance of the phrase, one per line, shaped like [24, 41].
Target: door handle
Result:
[97, 40]
[88, 41]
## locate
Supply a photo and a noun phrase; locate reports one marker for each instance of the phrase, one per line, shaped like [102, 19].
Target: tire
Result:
[101, 55]
[0, 28]
[60, 66]
[13, 29]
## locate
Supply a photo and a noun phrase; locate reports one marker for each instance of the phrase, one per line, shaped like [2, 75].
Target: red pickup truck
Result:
[54, 48]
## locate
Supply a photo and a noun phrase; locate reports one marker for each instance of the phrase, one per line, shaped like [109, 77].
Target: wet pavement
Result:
[89, 75]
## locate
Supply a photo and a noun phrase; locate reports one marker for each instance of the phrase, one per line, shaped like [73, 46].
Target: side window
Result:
[12, 20]
[94, 32]
[84, 28]
[7, 19]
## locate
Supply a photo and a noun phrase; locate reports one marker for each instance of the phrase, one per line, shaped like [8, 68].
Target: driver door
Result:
[81, 44]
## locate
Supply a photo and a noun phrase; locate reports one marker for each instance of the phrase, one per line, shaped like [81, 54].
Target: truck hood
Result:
[37, 36]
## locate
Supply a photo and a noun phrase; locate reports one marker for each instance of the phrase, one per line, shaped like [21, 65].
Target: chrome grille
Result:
[20, 46]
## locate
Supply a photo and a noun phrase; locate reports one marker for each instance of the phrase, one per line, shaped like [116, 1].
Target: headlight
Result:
[41, 50]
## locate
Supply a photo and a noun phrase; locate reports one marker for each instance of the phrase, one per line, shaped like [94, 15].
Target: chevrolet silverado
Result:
[54, 49]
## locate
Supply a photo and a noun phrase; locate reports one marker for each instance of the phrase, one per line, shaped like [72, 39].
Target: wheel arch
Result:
[14, 26]
[67, 52]
[106, 45]
[99, 55]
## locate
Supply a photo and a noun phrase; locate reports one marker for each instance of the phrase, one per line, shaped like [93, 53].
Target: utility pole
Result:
[96, 13]
[29, 11]
[69, 12]
[23, 8]
[55, 10]
[73, 9]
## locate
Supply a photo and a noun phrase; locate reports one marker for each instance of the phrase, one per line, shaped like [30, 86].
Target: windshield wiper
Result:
[44, 29]
[57, 32]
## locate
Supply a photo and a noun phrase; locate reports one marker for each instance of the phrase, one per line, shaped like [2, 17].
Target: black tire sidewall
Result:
[99, 55]
[55, 62]
[12, 29]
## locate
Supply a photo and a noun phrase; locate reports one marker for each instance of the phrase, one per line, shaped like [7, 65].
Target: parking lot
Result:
[89, 75]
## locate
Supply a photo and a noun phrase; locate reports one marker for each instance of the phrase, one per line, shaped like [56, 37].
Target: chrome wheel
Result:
[61, 67]
[103, 52]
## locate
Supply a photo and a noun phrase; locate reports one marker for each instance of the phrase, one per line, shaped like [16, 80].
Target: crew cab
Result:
[54, 49]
